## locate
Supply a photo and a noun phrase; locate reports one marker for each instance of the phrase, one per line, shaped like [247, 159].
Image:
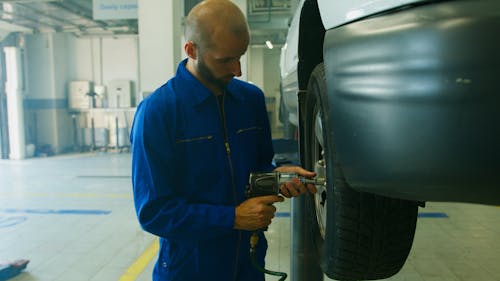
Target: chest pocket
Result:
[249, 130]
[248, 141]
[249, 137]
[198, 159]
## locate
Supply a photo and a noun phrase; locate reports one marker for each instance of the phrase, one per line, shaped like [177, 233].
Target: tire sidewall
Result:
[317, 97]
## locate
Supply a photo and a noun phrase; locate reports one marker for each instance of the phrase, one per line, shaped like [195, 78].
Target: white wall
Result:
[255, 66]
[38, 67]
[148, 60]
[47, 70]
[55, 59]
[102, 59]
[263, 71]
[160, 33]
[271, 70]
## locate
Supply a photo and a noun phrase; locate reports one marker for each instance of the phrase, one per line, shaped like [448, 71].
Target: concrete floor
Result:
[72, 216]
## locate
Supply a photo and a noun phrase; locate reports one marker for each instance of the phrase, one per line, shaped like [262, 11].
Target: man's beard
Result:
[208, 75]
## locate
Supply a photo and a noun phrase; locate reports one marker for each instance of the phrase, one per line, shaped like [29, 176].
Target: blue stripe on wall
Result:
[45, 103]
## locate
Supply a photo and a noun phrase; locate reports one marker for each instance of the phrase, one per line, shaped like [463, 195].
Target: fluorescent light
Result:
[269, 44]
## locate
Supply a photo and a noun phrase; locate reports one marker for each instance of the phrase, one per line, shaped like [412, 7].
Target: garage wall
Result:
[160, 32]
[263, 71]
[46, 72]
[55, 59]
[102, 59]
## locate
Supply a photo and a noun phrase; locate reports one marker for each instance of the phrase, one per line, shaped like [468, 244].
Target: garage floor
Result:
[72, 217]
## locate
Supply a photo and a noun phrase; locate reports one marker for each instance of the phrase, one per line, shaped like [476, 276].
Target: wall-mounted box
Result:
[78, 95]
[120, 94]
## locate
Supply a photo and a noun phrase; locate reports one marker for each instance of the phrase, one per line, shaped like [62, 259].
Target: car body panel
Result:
[333, 13]
[414, 97]
[288, 67]
[415, 102]
[336, 13]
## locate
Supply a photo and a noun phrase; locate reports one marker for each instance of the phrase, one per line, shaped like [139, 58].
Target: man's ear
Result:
[190, 49]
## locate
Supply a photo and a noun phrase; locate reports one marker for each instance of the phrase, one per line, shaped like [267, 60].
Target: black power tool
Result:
[262, 184]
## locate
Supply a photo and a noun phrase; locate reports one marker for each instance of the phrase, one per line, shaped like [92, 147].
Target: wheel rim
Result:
[319, 163]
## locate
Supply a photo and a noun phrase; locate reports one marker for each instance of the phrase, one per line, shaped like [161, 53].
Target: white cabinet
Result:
[79, 95]
[120, 94]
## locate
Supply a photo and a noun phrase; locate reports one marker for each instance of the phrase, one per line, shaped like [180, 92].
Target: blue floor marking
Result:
[432, 215]
[11, 221]
[56, 212]
[282, 214]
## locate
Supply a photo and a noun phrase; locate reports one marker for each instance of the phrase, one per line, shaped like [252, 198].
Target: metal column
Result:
[304, 263]
[4, 128]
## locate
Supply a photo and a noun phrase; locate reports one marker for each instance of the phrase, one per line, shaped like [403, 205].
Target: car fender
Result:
[336, 13]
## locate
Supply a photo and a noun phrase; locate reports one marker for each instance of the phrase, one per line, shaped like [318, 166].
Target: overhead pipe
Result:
[80, 11]
[269, 6]
[33, 27]
[46, 14]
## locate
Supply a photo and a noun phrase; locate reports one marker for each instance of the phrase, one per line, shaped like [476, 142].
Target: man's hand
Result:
[295, 187]
[256, 213]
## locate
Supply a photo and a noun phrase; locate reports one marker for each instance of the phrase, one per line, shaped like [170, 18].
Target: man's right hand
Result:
[256, 213]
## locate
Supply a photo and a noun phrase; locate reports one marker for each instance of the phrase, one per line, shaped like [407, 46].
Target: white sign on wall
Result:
[115, 9]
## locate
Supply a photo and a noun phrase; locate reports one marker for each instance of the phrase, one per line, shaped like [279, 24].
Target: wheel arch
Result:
[310, 45]
[310, 54]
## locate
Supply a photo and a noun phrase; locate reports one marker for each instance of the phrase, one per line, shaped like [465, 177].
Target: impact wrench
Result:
[263, 184]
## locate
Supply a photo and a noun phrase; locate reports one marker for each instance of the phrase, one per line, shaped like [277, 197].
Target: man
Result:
[195, 141]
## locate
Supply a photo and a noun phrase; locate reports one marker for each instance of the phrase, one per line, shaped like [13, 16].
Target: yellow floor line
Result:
[140, 264]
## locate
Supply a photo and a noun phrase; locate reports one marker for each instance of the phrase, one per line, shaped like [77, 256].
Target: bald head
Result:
[212, 17]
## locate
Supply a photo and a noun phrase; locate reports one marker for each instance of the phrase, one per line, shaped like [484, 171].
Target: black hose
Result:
[253, 243]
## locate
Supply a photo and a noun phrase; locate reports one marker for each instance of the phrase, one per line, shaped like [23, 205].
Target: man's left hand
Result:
[296, 187]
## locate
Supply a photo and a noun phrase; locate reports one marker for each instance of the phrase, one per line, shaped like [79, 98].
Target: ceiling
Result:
[75, 16]
[268, 19]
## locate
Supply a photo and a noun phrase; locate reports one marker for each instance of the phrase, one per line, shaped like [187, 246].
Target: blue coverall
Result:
[190, 167]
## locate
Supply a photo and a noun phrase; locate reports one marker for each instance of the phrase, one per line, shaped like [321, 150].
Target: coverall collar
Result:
[198, 92]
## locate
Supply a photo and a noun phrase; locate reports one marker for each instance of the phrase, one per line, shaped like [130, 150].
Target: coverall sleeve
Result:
[159, 209]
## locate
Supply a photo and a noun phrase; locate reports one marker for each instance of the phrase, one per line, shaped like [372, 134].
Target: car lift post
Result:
[304, 263]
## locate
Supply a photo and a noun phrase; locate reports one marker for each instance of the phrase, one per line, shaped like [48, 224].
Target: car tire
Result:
[358, 236]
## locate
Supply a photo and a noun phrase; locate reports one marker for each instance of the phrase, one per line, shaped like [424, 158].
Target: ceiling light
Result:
[269, 44]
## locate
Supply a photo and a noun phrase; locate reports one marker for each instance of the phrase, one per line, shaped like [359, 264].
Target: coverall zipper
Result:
[235, 194]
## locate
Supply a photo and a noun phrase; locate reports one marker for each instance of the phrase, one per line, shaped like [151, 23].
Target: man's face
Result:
[209, 75]
[218, 64]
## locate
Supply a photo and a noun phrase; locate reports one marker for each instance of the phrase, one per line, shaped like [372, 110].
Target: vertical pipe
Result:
[117, 130]
[15, 110]
[4, 133]
[75, 131]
